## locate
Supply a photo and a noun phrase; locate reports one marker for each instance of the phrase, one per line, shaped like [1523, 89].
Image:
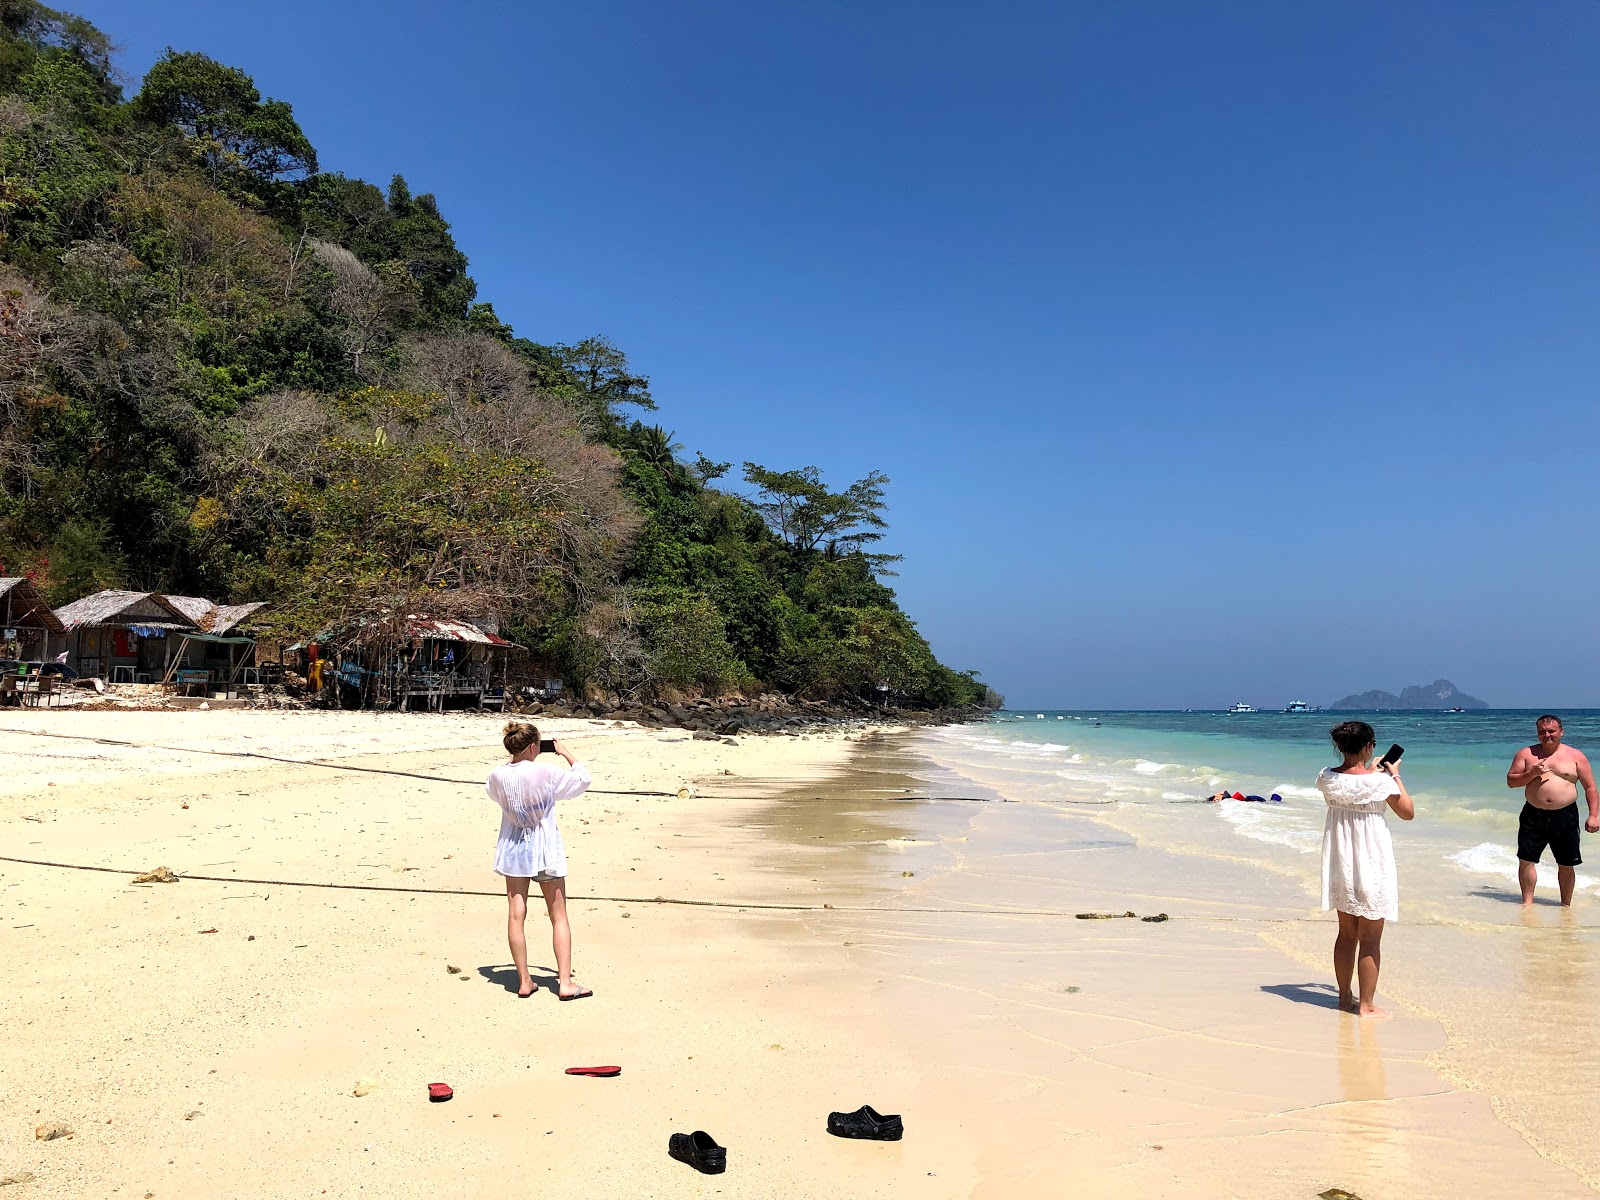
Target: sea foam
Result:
[1500, 861]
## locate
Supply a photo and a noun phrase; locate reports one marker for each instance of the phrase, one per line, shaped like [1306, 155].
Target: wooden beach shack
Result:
[417, 661]
[30, 625]
[220, 653]
[124, 637]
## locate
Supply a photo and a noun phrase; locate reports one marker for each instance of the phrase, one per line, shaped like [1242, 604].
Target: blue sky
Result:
[1215, 351]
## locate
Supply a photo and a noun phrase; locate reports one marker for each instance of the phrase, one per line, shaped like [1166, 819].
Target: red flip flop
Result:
[439, 1092]
[596, 1072]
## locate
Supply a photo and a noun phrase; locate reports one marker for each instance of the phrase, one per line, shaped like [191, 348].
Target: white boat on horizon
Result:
[1299, 706]
[1241, 707]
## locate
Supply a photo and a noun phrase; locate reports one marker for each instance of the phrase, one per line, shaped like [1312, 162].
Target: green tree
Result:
[800, 508]
[220, 110]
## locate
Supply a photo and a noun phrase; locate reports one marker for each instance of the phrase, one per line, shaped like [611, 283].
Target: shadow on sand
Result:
[1505, 897]
[505, 974]
[1323, 995]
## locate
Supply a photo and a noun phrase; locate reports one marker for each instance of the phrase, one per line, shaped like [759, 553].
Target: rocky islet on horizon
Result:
[1440, 694]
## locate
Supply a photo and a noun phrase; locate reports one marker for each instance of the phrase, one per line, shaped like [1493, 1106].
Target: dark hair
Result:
[1550, 717]
[519, 736]
[1352, 737]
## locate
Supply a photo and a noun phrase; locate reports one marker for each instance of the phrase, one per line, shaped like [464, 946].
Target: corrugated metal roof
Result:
[452, 631]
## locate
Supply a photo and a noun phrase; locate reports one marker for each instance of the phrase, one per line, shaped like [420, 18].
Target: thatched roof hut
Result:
[28, 620]
[143, 636]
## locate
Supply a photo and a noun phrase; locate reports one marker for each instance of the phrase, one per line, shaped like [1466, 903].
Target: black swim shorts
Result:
[1553, 827]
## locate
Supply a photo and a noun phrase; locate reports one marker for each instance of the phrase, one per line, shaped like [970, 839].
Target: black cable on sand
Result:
[326, 764]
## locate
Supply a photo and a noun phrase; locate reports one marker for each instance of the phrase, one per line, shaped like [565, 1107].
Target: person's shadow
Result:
[505, 974]
[1320, 994]
[1505, 897]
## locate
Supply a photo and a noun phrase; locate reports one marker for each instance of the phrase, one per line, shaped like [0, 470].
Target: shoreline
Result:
[1242, 963]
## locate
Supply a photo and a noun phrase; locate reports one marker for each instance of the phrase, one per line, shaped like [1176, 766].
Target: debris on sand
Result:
[365, 1087]
[19, 1177]
[159, 875]
[51, 1130]
[454, 970]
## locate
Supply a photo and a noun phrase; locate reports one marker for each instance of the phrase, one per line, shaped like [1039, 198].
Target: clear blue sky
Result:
[1215, 351]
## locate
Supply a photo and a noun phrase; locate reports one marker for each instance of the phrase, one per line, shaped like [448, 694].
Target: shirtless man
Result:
[1549, 774]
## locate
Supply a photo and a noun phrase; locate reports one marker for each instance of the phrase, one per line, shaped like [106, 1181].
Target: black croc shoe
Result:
[867, 1123]
[700, 1150]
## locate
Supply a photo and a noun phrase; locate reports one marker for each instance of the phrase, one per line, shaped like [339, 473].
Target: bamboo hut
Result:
[415, 660]
[219, 653]
[29, 623]
[123, 636]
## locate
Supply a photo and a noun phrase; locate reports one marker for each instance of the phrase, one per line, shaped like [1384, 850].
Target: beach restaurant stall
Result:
[29, 623]
[220, 655]
[124, 637]
[416, 660]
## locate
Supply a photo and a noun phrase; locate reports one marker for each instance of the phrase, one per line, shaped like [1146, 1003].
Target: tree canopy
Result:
[225, 371]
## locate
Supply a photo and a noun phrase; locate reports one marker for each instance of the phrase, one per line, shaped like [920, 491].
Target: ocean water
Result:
[1150, 772]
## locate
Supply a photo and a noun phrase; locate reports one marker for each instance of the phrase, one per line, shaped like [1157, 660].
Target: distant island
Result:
[1439, 694]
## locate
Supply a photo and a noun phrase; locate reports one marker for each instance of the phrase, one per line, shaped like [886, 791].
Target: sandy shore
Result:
[223, 1064]
[859, 947]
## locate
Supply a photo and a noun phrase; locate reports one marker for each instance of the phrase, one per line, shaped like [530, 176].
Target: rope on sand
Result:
[327, 764]
[1059, 914]
[662, 900]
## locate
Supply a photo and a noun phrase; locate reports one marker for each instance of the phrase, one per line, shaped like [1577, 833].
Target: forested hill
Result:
[226, 371]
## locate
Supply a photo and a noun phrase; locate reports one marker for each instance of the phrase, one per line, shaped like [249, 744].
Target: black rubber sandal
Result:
[866, 1123]
[700, 1150]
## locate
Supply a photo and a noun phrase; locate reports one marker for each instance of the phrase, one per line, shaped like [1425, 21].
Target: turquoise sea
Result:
[1151, 772]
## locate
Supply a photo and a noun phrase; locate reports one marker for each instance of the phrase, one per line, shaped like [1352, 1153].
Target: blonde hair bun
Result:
[519, 735]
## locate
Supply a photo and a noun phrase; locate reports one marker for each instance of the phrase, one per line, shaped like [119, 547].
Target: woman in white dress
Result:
[1358, 876]
[530, 848]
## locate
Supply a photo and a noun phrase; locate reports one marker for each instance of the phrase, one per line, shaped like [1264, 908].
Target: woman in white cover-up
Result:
[1358, 875]
[530, 848]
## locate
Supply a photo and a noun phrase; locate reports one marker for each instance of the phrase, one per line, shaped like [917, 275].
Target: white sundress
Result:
[1358, 875]
[530, 844]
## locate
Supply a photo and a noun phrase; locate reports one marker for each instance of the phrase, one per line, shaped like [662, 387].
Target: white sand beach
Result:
[846, 946]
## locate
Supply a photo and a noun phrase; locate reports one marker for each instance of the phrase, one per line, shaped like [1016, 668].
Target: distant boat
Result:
[1241, 707]
[1459, 710]
[1299, 706]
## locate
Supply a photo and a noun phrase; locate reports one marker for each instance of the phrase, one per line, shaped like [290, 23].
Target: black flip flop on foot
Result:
[580, 994]
[522, 995]
[700, 1150]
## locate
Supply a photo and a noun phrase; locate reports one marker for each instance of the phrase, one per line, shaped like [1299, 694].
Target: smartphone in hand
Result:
[547, 746]
[1392, 754]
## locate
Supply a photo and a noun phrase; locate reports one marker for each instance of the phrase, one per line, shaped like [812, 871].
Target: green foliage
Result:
[687, 641]
[231, 130]
[224, 371]
[82, 558]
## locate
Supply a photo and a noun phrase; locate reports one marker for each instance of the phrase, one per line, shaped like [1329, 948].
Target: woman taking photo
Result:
[530, 848]
[1358, 875]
